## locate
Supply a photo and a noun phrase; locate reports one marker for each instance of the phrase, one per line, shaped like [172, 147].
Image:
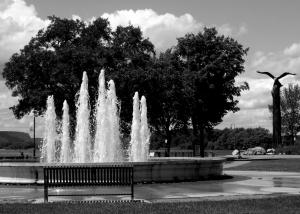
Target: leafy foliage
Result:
[290, 111]
[53, 61]
[211, 62]
[240, 138]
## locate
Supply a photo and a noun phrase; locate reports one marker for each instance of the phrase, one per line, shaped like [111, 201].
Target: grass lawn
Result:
[286, 165]
[282, 204]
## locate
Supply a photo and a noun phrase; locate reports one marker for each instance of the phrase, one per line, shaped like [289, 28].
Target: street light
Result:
[33, 113]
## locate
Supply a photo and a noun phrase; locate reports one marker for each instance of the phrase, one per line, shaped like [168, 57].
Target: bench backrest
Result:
[56, 176]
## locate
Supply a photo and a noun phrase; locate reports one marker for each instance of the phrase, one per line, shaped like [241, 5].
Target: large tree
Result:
[162, 85]
[211, 63]
[53, 61]
[168, 103]
[132, 56]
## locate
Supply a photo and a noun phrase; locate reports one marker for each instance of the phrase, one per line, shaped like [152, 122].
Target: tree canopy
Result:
[54, 60]
[210, 62]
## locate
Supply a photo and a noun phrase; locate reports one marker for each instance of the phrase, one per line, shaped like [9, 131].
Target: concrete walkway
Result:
[244, 184]
[264, 157]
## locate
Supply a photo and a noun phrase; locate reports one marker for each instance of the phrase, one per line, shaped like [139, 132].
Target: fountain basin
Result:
[155, 170]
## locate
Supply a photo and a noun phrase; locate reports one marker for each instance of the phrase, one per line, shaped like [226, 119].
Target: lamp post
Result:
[34, 135]
[33, 113]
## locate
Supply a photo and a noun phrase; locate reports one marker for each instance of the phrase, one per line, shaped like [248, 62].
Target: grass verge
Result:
[274, 205]
[283, 165]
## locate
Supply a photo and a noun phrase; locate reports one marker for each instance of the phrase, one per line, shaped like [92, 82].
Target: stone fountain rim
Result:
[163, 160]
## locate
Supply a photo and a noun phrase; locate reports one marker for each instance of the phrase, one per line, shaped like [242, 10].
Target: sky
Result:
[270, 28]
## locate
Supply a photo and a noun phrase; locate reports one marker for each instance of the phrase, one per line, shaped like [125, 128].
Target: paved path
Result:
[266, 157]
[244, 184]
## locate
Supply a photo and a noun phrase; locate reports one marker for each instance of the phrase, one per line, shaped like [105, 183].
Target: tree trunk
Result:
[169, 140]
[201, 139]
[195, 133]
[293, 138]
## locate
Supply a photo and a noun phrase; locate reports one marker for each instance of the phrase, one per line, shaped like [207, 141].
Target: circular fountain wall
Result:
[154, 170]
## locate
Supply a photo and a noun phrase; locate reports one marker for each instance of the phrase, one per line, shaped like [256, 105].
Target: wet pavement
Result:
[243, 184]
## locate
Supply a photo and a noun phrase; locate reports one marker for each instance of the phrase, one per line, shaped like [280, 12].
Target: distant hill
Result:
[15, 140]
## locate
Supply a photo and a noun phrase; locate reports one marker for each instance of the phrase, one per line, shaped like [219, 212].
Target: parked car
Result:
[255, 151]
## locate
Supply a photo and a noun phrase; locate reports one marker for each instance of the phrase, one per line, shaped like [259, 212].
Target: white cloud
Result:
[163, 29]
[18, 23]
[253, 106]
[293, 50]
[228, 30]
[259, 95]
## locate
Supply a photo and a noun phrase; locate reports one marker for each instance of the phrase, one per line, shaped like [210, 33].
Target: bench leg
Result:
[45, 194]
[132, 184]
[132, 192]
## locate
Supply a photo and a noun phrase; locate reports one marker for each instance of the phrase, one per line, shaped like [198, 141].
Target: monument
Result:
[276, 106]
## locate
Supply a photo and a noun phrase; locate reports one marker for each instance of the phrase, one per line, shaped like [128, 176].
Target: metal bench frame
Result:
[94, 175]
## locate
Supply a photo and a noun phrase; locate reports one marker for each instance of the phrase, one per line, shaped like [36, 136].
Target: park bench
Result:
[93, 175]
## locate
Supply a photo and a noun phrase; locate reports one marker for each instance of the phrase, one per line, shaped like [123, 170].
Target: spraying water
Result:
[135, 142]
[100, 147]
[107, 146]
[82, 138]
[114, 126]
[107, 142]
[48, 147]
[144, 131]
[65, 153]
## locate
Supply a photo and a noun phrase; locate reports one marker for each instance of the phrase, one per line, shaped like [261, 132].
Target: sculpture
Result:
[276, 106]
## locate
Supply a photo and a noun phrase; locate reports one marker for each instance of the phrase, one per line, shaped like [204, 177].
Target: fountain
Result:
[105, 146]
[65, 152]
[48, 149]
[140, 134]
[100, 146]
[145, 132]
[114, 153]
[134, 145]
[107, 142]
[82, 144]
